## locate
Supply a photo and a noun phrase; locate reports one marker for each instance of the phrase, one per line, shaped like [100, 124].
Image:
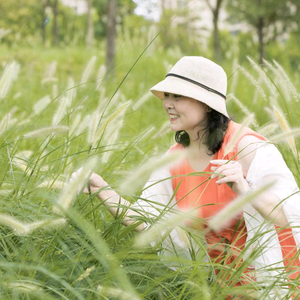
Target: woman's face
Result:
[184, 113]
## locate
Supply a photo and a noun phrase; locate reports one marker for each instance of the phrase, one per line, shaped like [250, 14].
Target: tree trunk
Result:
[111, 35]
[216, 13]
[217, 50]
[90, 26]
[44, 5]
[162, 6]
[260, 28]
[55, 23]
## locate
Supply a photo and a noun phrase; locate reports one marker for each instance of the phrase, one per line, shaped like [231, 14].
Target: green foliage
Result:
[92, 255]
[18, 16]
[177, 30]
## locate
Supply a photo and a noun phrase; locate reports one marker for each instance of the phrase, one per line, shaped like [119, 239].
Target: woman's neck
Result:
[196, 148]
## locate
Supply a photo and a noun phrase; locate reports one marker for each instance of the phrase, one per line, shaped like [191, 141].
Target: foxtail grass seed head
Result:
[284, 136]
[40, 105]
[92, 128]
[70, 92]
[244, 109]
[5, 193]
[23, 287]
[132, 182]
[268, 129]
[110, 142]
[254, 82]
[86, 273]
[51, 69]
[169, 222]
[116, 293]
[18, 227]
[75, 124]
[115, 101]
[263, 77]
[88, 71]
[148, 134]
[283, 123]
[270, 67]
[233, 140]
[183, 236]
[54, 91]
[102, 104]
[142, 100]
[46, 131]
[221, 219]
[82, 125]
[20, 160]
[46, 224]
[287, 81]
[118, 113]
[165, 128]
[4, 123]
[9, 75]
[72, 188]
[100, 77]
[102, 99]
[60, 112]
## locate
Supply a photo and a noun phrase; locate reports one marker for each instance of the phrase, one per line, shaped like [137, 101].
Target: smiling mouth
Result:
[173, 117]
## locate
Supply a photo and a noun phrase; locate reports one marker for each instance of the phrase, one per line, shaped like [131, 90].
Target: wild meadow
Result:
[61, 110]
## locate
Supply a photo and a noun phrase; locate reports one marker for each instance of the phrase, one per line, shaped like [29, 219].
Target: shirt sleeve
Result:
[157, 197]
[268, 161]
[157, 203]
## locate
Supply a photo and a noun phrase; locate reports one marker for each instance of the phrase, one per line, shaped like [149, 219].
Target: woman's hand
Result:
[95, 182]
[230, 173]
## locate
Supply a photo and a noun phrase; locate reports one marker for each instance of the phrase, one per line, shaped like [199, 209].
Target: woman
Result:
[193, 95]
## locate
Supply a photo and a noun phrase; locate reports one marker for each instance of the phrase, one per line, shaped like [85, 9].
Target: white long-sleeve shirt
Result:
[261, 235]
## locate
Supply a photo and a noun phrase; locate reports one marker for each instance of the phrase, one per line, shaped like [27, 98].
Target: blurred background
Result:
[74, 85]
[218, 29]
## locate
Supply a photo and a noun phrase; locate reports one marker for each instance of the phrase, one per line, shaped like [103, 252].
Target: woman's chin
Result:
[175, 128]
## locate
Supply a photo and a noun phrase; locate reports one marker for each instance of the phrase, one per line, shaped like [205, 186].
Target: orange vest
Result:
[198, 191]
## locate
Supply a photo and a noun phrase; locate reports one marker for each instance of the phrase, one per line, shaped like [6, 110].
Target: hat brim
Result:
[174, 85]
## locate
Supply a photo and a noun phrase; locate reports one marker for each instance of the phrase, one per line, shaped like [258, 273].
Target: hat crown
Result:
[202, 70]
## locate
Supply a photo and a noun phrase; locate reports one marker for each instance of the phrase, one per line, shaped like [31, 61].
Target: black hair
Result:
[214, 131]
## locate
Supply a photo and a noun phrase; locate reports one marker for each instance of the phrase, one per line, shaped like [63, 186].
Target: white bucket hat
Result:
[198, 78]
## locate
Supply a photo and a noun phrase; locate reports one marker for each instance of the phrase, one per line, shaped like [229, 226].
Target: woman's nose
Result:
[168, 104]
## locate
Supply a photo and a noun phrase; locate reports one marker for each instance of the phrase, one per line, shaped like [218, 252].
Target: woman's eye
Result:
[177, 96]
[166, 94]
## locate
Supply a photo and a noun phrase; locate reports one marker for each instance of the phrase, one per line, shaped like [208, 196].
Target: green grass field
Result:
[59, 110]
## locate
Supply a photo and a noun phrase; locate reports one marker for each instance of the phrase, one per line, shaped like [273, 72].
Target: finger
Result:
[220, 170]
[229, 172]
[231, 178]
[219, 161]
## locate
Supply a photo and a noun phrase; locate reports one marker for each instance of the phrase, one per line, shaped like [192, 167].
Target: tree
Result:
[111, 35]
[215, 9]
[110, 14]
[90, 25]
[269, 18]
[54, 5]
[22, 17]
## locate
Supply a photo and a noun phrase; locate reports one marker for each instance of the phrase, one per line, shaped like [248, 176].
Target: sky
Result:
[149, 9]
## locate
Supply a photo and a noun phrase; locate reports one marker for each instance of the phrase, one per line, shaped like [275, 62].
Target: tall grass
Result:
[58, 244]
